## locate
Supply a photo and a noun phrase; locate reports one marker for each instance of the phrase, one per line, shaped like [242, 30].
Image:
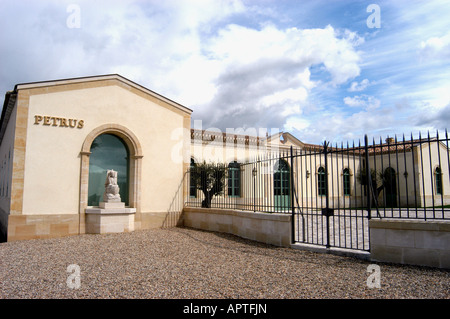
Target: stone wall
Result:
[24, 227]
[414, 242]
[274, 229]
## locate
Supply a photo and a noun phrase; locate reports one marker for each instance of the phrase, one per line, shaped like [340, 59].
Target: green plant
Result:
[210, 179]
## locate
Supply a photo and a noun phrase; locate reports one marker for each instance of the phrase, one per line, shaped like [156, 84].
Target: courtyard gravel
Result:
[186, 263]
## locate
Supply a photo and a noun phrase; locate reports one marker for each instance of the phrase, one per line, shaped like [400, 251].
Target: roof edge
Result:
[32, 85]
[8, 105]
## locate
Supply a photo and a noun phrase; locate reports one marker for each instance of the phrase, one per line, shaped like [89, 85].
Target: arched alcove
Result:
[108, 151]
[131, 143]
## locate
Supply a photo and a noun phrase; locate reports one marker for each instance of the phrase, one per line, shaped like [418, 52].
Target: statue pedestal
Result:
[110, 217]
[109, 205]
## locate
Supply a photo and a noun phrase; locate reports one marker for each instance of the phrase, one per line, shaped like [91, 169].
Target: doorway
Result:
[390, 187]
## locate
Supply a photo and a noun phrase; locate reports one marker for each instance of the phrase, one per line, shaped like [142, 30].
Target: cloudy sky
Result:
[333, 70]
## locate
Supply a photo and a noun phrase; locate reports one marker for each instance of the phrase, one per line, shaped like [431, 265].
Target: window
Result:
[192, 186]
[107, 152]
[234, 179]
[281, 179]
[321, 181]
[346, 182]
[438, 174]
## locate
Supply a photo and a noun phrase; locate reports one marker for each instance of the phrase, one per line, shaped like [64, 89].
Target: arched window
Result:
[390, 186]
[281, 181]
[321, 181]
[282, 186]
[346, 181]
[192, 186]
[438, 174]
[234, 179]
[108, 151]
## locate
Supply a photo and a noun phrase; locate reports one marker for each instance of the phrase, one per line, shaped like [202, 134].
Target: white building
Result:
[58, 138]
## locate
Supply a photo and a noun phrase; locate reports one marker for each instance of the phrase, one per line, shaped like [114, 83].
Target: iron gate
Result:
[332, 191]
[338, 189]
[329, 207]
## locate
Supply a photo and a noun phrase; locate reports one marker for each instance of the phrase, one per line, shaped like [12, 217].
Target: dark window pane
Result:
[107, 152]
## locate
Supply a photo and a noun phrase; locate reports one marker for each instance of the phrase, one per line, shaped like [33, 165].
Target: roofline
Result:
[292, 137]
[31, 85]
[233, 138]
[8, 105]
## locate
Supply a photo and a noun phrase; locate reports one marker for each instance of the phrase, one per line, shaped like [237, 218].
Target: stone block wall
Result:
[414, 242]
[274, 229]
[24, 227]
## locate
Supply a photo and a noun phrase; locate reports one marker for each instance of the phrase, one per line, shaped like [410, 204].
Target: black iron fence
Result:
[333, 190]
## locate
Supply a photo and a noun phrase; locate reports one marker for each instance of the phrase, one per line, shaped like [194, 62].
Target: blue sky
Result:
[313, 68]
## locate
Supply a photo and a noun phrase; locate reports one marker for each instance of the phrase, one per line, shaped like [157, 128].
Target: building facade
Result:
[59, 138]
[55, 138]
[412, 173]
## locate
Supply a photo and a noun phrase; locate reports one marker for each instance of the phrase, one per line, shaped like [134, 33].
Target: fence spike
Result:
[306, 216]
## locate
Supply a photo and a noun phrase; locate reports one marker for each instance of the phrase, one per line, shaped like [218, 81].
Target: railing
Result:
[403, 178]
[415, 176]
[332, 190]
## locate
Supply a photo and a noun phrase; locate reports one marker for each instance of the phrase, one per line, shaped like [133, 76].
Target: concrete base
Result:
[111, 205]
[110, 218]
[274, 229]
[413, 242]
[364, 255]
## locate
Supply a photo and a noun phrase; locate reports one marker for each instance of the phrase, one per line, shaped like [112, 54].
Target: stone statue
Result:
[111, 188]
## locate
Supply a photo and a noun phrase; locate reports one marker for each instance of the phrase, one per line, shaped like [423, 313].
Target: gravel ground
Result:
[187, 263]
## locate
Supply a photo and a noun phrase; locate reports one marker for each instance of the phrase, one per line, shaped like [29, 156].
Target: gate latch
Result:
[327, 212]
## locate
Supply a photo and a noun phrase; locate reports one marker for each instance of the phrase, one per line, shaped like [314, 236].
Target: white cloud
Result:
[435, 119]
[357, 87]
[190, 51]
[244, 63]
[436, 47]
[269, 69]
[296, 123]
[339, 126]
[438, 96]
[285, 96]
[362, 101]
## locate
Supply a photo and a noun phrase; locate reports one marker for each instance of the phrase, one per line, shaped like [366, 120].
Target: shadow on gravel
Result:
[248, 246]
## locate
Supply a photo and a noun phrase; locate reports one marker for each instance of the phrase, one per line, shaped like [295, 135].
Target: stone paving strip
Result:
[187, 263]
